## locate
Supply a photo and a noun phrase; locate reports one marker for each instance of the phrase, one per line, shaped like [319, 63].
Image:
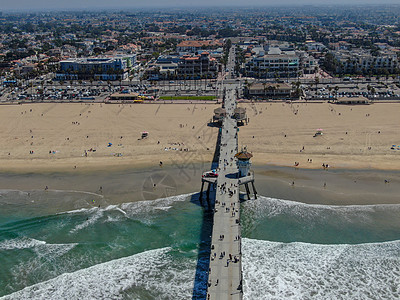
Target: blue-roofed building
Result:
[97, 68]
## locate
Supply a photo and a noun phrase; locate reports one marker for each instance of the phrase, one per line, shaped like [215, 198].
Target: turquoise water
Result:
[38, 248]
[149, 249]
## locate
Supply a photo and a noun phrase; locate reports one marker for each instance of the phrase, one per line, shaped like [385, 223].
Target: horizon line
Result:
[188, 7]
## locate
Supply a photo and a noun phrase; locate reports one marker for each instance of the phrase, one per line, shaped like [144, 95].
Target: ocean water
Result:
[150, 249]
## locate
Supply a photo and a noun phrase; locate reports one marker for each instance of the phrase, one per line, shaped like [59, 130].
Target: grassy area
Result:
[187, 98]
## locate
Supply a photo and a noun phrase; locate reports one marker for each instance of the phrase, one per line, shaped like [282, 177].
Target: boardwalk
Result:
[225, 275]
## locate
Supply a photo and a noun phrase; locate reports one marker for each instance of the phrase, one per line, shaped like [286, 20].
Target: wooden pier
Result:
[225, 270]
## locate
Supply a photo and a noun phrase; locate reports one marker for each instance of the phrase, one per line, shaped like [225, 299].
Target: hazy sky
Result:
[98, 4]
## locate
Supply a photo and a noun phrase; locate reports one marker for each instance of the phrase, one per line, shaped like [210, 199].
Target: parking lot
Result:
[370, 90]
[81, 91]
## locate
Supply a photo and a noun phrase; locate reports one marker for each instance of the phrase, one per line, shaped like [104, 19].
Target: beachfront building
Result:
[267, 90]
[352, 101]
[360, 61]
[97, 68]
[124, 96]
[308, 64]
[164, 68]
[275, 63]
[199, 66]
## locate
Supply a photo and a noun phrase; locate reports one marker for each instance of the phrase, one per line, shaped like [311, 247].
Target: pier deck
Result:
[225, 273]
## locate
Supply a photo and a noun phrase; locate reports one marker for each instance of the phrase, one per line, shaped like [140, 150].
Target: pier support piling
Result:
[208, 196]
[201, 193]
[254, 190]
[246, 185]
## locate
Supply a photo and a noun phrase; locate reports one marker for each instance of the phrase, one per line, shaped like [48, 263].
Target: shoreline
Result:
[93, 164]
[338, 187]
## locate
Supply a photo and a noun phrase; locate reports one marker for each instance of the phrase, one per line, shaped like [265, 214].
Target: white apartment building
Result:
[358, 60]
[276, 63]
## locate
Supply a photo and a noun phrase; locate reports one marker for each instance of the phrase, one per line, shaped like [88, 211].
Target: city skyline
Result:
[47, 5]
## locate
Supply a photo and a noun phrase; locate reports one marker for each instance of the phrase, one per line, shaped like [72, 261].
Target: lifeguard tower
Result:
[245, 175]
[243, 162]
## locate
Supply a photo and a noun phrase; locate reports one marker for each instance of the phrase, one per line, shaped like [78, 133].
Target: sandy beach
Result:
[63, 136]
[74, 137]
[354, 137]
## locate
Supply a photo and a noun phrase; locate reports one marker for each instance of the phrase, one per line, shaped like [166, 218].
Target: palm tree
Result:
[276, 76]
[272, 89]
[286, 69]
[336, 90]
[265, 88]
[316, 81]
[248, 86]
[296, 87]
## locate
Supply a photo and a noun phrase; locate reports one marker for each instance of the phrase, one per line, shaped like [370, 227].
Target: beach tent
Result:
[145, 134]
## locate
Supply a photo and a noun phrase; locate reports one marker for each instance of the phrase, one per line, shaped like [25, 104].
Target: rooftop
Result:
[244, 155]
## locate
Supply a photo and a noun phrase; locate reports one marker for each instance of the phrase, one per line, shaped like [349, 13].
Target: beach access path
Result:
[225, 273]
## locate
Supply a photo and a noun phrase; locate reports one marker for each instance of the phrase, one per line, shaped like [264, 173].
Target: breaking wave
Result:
[153, 274]
[273, 270]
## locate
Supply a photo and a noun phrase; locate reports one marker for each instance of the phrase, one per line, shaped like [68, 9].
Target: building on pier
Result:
[243, 162]
[219, 114]
[240, 115]
[245, 175]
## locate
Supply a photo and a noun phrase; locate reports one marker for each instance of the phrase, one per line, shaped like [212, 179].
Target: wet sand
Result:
[90, 189]
[329, 187]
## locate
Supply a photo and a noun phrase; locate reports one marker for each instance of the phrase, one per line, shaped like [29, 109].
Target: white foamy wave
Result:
[120, 210]
[134, 208]
[90, 221]
[8, 191]
[113, 219]
[273, 270]
[41, 248]
[77, 211]
[20, 243]
[149, 206]
[163, 208]
[266, 207]
[148, 275]
[290, 203]
[144, 209]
